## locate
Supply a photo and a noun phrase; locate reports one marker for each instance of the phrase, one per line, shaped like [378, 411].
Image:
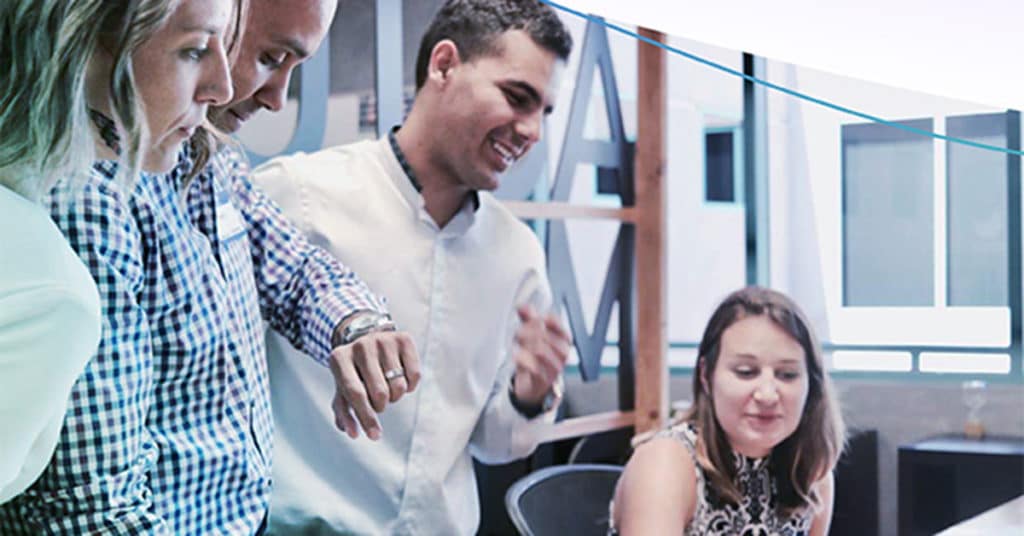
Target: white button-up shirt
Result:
[455, 291]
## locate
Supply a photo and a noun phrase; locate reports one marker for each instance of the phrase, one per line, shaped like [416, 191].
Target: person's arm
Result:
[503, 433]
[38, 369]
[526, 391]
[310, 297]
[823, 517]
[304, 293]
[98, 479]
[657, 492]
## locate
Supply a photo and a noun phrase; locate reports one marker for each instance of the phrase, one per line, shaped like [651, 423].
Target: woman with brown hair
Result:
[755, 452]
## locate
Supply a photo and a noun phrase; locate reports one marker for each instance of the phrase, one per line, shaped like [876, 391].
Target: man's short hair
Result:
[474, 25]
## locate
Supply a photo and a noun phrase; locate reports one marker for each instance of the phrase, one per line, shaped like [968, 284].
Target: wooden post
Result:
[652, 343]
[649, 218]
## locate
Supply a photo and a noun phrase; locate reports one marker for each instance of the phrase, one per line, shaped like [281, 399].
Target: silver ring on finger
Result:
[394, 374]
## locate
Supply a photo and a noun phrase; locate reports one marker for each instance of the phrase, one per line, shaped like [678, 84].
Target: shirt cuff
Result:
[332, 311]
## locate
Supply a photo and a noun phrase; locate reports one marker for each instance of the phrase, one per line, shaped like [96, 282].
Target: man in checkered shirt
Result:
[168, 430]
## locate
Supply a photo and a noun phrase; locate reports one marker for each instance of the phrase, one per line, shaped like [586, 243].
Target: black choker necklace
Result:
[108, 130]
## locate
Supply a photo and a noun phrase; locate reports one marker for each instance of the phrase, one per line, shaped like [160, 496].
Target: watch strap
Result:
[364, 323]
[531, 411]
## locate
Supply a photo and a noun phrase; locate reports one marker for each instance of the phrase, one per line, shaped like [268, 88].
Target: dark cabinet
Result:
[855, 509]
[949, 478]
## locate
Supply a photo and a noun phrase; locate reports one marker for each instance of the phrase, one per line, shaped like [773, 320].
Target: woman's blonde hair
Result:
[807, 455]
[207, 139]
[44, 115]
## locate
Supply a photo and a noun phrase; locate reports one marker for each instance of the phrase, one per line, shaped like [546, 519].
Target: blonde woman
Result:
[754, 454]
[127, 82]
[49, 308]
[169, 429]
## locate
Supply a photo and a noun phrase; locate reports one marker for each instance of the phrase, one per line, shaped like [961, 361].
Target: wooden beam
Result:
[557, 210]
[652, 342]
[589, 424]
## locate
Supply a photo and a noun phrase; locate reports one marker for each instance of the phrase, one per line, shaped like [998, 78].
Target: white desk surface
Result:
[1007, 518]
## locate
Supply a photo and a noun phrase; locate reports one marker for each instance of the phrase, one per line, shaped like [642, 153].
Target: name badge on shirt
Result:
[230, 224]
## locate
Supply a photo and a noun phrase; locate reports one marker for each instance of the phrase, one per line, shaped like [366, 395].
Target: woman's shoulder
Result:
[651, 461]
[658, 488]
[664, 450]
[671, 449]
[103, 192]
[682, 432]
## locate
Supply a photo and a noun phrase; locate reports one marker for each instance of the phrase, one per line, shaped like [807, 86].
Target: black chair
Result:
[564, 500]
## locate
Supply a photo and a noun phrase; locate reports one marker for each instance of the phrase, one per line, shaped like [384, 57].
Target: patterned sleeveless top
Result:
[754, 516]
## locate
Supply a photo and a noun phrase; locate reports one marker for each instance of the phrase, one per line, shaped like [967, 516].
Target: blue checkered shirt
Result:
[169, 429]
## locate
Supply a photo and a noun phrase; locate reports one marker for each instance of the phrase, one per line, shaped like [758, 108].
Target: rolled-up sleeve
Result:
[304, 291]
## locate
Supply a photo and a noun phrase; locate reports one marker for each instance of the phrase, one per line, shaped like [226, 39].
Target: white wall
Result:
[806, 211]
[706, 249]
[705, 241]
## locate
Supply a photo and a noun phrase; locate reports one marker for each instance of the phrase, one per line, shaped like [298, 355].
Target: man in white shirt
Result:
[465, 277]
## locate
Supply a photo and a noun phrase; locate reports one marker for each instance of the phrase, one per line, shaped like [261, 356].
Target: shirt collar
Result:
[402, 160]
[410, 174]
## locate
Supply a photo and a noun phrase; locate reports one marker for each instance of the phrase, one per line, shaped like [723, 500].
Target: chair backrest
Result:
[564, 500]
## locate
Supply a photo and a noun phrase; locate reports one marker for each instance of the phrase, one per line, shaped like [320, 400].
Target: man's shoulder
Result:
[347, 154]
[355, 161]
[508, 231]
[501, 217]
[342, 177]
[18, 212]
[33, 245]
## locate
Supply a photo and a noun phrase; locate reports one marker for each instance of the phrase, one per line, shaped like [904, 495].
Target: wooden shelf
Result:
[589, 424]
[557, 210]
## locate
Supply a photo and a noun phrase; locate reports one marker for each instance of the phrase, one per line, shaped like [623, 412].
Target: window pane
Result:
[888, 228]
[861, 360]
[719, 177]
[964, 362]
[977, 212]
[352, 114]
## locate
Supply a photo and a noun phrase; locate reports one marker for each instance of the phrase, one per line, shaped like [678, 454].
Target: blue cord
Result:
[782, 89]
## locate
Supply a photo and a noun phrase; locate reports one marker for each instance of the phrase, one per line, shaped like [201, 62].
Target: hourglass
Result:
[974, 398]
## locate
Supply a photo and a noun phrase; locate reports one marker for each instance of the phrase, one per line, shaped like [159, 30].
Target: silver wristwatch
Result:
[366, 322]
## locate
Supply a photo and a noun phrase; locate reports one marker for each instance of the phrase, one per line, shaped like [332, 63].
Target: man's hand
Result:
[369, 373]
[543, 347]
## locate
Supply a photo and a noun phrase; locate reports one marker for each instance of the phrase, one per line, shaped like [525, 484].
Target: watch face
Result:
[366, 322]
